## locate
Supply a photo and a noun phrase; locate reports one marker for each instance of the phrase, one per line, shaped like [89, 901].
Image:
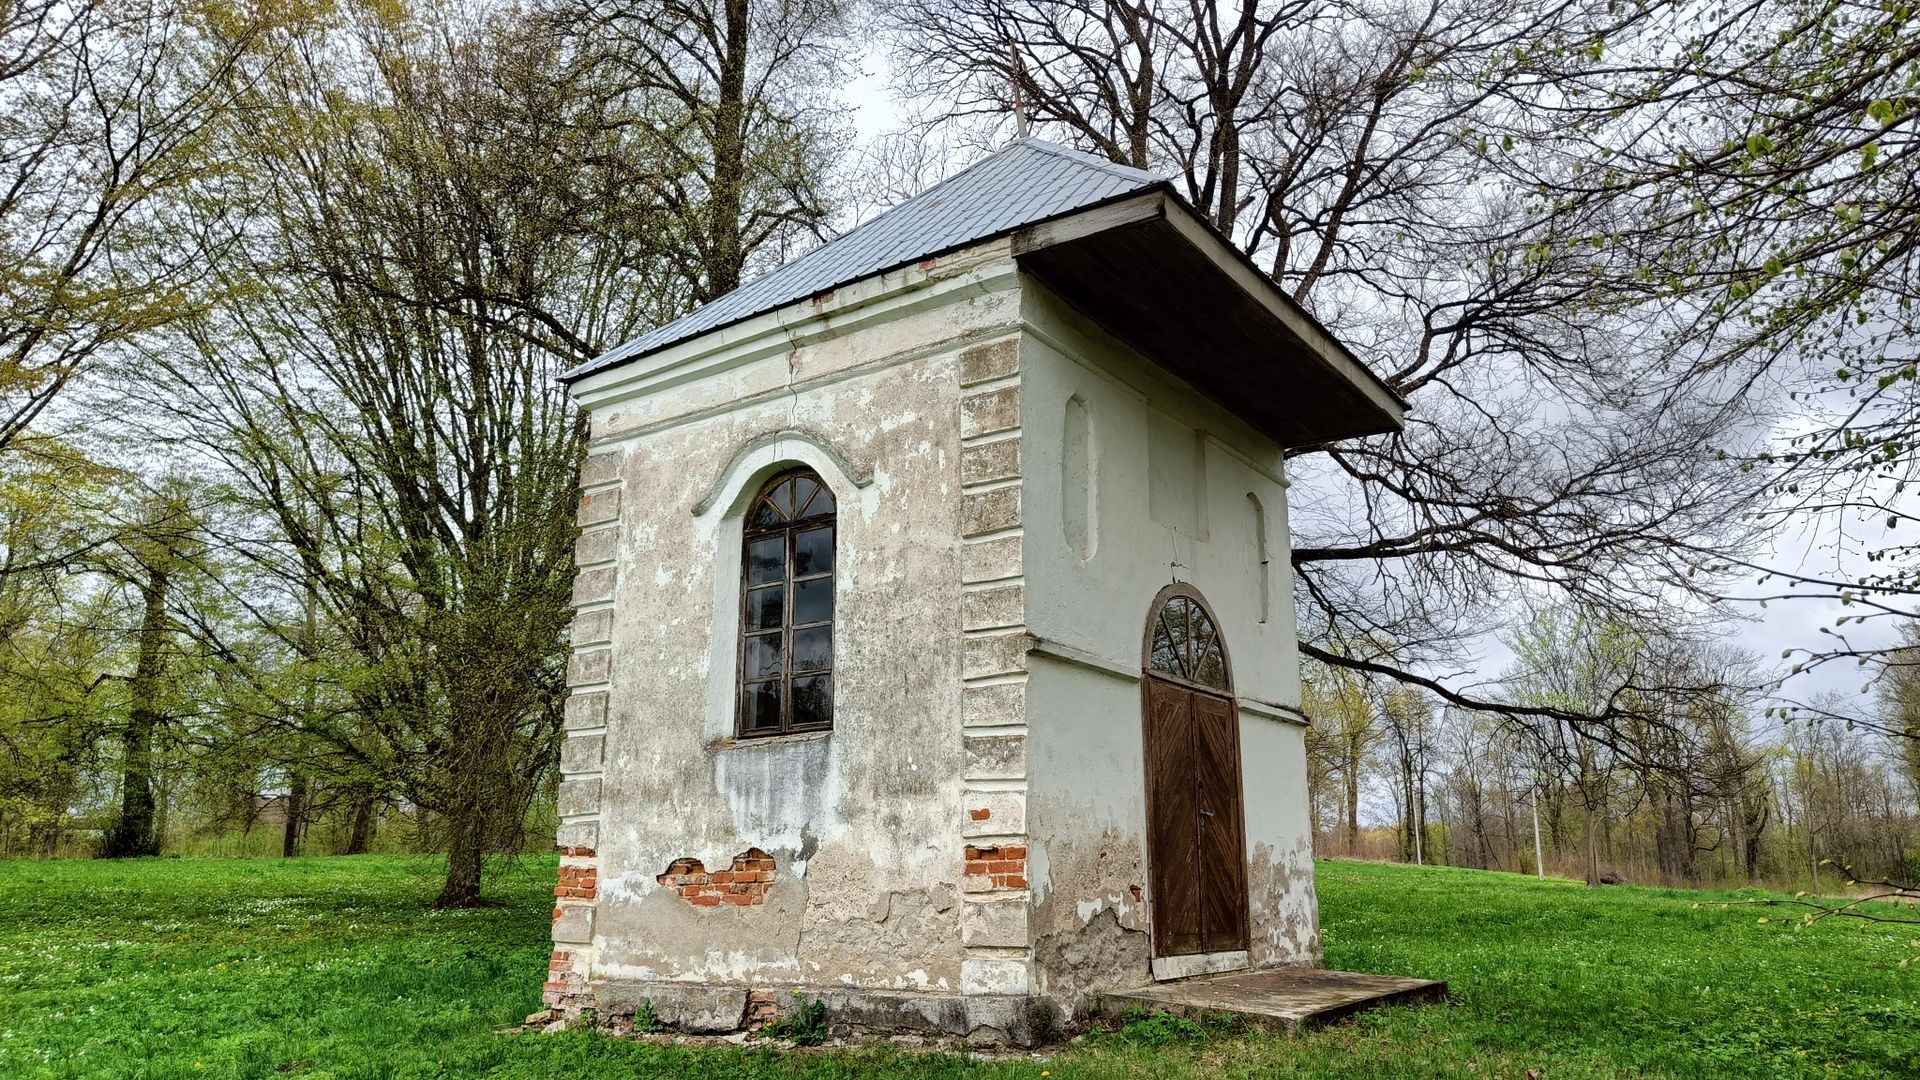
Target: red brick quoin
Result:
[577, 882]
[745, 884]
[1006, 866]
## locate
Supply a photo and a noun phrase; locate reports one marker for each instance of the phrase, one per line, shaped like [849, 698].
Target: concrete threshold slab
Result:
[1283, 999]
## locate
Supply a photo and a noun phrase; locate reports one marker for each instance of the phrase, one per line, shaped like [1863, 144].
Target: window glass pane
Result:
[812, 601]
[813, 700]
[822, 503]
[1203, 634]
[783, 498]
[1163, 654]
[766, 560]
[1202, 625]
[765, 605]
[763, 515]
[1212, 670]
[763, 655]
[760, 706]
[1173, 620]
[1180, 613]
[803, 489]
[813, 649]
[813, 551]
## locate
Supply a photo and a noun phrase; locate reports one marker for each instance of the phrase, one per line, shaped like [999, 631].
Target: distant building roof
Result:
[1029, 182]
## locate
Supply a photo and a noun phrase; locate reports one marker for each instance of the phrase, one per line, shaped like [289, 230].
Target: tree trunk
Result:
[727, 254]
[1406, 803]
[1350, 777]
[464, 851]
[133, 834]
[162, 798]
[1666, 839]
[1593, 847]
[360, 830]
[296, 815]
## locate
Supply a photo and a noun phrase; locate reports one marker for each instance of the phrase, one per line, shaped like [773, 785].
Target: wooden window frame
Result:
[789, 530]
[1161, 600]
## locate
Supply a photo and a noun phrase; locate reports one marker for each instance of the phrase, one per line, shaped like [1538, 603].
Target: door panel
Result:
[1173, 813]
[1223, 899]
[1196, 849]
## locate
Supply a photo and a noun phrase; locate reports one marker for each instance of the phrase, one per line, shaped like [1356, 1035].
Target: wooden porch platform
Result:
[1282, 999]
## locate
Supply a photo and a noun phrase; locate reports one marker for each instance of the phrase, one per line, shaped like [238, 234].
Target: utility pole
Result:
[1019, 102]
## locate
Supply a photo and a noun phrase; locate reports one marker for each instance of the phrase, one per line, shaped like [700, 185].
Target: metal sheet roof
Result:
[1028, 182]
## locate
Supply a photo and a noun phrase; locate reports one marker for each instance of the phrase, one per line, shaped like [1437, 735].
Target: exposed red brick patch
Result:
[980, 813]
[566, 987]
[744, 884]
[763, 1008]
[1005, 865]
[578, 852]
[577, 882]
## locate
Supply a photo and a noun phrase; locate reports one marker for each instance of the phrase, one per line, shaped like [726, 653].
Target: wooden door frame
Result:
[1188, 964]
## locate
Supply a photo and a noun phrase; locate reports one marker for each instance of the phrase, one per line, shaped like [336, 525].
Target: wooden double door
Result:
[1196, 843]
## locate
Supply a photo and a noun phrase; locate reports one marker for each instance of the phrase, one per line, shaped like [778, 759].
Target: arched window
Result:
[786, 608]
[1186, 645]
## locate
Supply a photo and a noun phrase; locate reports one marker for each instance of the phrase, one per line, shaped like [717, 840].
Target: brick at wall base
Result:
[566, 992]
[763, 1008]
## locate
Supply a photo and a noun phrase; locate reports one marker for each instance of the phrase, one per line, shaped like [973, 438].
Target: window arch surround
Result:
[1184, 643]
[787, 570]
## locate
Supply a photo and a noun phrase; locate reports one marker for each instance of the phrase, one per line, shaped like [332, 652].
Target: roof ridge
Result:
[1066, 153]
[1084, 158]
[1027, 181]
[924, 192]
[910, 201]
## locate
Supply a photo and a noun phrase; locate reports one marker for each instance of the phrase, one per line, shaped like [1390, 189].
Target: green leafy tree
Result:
[109, 106]
[434, 214]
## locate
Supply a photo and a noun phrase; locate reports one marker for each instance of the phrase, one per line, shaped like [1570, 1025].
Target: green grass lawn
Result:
[335, 968]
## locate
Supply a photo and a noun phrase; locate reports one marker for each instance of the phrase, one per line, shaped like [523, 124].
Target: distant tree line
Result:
[1710, 791]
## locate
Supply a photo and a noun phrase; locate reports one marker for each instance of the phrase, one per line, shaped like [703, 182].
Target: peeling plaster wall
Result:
[1086, 853]
[1284, 916]
[865, 824]
[1166, 498]
[1013, 487]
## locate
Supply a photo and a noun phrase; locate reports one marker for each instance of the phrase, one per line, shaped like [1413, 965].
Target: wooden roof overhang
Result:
[1154, 274]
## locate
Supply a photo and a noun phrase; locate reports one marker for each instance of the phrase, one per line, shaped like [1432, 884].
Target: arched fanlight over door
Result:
[1186, 645]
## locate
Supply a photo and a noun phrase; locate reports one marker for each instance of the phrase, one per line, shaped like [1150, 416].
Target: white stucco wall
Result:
[863, 823]
[1171, 478]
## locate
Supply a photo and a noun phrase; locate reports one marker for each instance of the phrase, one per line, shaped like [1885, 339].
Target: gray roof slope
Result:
[1028, 182]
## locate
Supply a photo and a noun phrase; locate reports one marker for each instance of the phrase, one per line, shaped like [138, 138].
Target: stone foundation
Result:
[704, 1009]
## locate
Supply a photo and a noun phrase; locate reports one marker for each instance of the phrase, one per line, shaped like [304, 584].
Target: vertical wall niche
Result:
[1078, 483]
[1263, 558]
